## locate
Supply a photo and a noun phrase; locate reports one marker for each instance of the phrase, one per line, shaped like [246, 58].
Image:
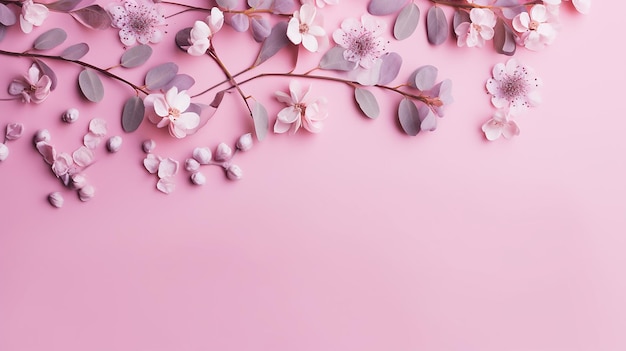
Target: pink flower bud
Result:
[70, 116]
[86, 193]
[148, 146]
[42, 135]
[202, 155]
[198, 178]
[233, 172]
[223, 152]
[191, 165]
[245, 142]
[4, 152]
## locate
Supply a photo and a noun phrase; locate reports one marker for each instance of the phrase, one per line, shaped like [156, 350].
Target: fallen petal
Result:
[166, 185]
[56, 199]
[4, 152]
[151, 162]
[98, 126]
[14, 131]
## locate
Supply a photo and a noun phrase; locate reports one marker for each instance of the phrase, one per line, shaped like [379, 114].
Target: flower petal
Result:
[167, 168]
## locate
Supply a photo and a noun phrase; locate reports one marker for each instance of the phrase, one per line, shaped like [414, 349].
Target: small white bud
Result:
[86, 193]
[223, 152]
[245, 142]
[56, 199]
[70, 116]
[78, 181]
[233, 172]
[198, 178]
[148, 146]
[191, 165]
[114, 143]
[42, 135]
[202, 155]
[4, 152]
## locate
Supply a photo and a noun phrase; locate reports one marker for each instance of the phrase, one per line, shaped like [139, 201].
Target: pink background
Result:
[358, 238]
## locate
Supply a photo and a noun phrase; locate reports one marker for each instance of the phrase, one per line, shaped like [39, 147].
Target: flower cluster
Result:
[358, 54]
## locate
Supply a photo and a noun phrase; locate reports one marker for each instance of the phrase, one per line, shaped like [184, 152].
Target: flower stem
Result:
[77, 62]
[230, 77]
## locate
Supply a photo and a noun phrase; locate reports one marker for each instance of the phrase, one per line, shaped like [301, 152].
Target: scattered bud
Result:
[191, 165]
[14, 131]
[70, 116]
[198, 178]
[245, 142]
[56, 199]
[79, 181]
[114, 143]
[86, 193]
[148, 146]
[4, 152]
[223, 152]
[42, 135]
[233, 172]
[202, 155]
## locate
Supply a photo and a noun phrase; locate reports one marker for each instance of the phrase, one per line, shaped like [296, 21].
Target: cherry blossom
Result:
[500, 125]
[536, 31]
[301, 110]
[202, 32]
[582, 6]
[361, 40]
[513, 86]
[32, 15]
[34, 87]
[169, 110]
[137, 21]
[301, 29]
[320, 3]
[480, 29]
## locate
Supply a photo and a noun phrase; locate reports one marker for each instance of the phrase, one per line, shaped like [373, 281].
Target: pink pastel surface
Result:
[355, 239]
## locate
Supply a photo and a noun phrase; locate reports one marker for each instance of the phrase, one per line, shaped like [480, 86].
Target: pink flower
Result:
[203, 31]
[301, 29]
[500, 125]
[480, 29]
[513, 86]
[32, 87]
[536, 31]
[32, 15]
[582, 6]
[137, 22]
[361, 40]
[300, 111]
[169, 110]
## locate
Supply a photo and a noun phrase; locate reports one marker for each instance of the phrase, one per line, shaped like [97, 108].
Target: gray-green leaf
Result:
[273, 43]
[408, 116]
[136, 56]
[50, 39]
[424, 77]
[333, 60]
[504, 39]
[261, 120]
[157, 77]
[132, 114]
[367, 102]
[436, 26]
[91, 85]
[93, 16]
[45, 69]
[75, 52]
[407, 21]
[7, 17]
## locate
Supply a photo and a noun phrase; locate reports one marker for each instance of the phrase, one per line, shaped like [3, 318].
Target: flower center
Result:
[477, 27]
[173, 113]
[513, 87]
[533, 25]
[301, 108]
[141, 20]
[304, 28]
[362, 44]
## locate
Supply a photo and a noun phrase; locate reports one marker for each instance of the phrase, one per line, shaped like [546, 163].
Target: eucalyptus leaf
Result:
[3, 31]
[180, 81]
[63, 5]
[260, 4]
[459, 17]
[159, 76]
[273, 43]
[132, 114]
[367, 102]
[385, 7]
[91, 85]
[75, 52]
[50, 39]
[261, 28]
[93, 16]
[428, 120]
[285, 7]
[240, 22]
[227, 4]
[408, 116]
[407, 21]
[504, 39]
[261, 121]
[436, 26]
[45, 69]
[182, 38]
[136, 56]
[390, 67]
[334, 60]
[424, 78]
[7, 17]
[510, 8]
[217, 100]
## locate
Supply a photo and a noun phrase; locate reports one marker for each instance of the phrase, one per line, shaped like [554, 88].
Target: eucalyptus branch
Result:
[467, 5]
[77, 62]
[230, 77]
